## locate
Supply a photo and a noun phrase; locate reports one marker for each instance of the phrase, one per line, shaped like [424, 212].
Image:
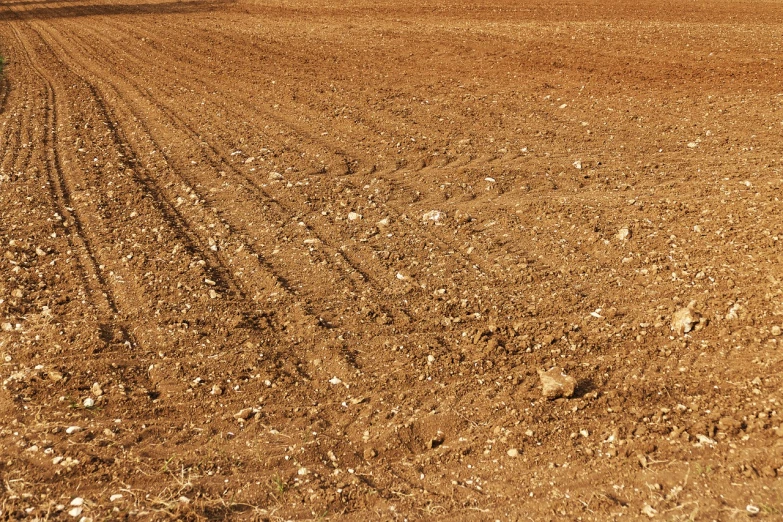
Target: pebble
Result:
[623, 234]
[370, 453]
[433, 215]
[75, 511]
[72, 429]
[216, 390]
[776, 330]
[243, 414]
[275, 176]
[692, 145]
[96, 389]
[513, 453]
[649, 511]
[78, 501]
[353, 216]
[555, 383]
[684, 319]
[115, 497]
[89, 402]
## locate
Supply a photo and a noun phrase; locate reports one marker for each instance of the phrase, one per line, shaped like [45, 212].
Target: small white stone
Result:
[692, 145]
[96, 389]
[649, 511]
[115, 497]
[578, 165]
[433, 215]
[75, 511]
[430, 359]
[275, 176]
[776, 330]
[89, 402]
[302, 471]
[353, 216]
[684, 320]
[78, 501]
[513, 453]
[183, 499]
[335, 380]
[72, 429]
[623, 234]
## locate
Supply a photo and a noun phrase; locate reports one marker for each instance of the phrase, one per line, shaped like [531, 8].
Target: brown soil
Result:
[305, 260]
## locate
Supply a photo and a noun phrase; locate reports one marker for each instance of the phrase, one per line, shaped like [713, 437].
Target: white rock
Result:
[243, 414]
[433, 215]
[353, 216]
[623, 234]
[555, 383]
[89, 402]
[513, 452]
[275, 176]
[78, 501]
[649, 511]
[775, 330]
[692, 145]
[684, 319]
[72, 429]
[335, 380]
[115, 497]
[302, 471]
[96, 389]
[75, 511]
[732, 314]
[578, 165]
[216, 390]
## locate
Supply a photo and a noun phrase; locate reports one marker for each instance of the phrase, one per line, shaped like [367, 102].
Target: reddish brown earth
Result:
[215, 228]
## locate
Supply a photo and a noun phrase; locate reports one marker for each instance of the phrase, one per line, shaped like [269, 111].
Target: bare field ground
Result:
[294, 260]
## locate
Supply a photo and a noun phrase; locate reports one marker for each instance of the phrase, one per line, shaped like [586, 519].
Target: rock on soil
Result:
[555, 383]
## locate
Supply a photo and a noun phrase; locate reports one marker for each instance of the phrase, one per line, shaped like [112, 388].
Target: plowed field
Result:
[282, 260]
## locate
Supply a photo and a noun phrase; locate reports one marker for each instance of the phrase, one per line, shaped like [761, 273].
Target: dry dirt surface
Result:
[290, 260]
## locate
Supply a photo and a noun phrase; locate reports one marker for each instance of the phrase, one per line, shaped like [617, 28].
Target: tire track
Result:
[102, 297]
[218, 269]
[265, 114]
[220, 160]
[175, 217]
[509, 160]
